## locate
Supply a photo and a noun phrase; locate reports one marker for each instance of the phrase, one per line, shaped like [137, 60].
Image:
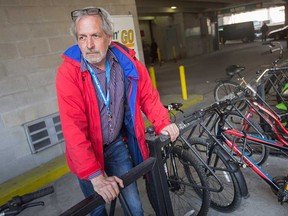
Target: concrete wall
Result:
[191, 32]
[34, 33]
[198, 39]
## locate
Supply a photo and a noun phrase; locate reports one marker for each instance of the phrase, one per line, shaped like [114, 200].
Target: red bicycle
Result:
[235, 143]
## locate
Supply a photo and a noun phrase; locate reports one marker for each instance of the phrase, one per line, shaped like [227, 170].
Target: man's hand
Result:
[107, 187]
[172, 130]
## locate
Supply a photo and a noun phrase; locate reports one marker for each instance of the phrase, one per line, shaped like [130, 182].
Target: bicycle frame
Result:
[233, 168]
[232, 149]
[265, 112]
[240, 152]
[186, 142]
[189, 125]
[258, 139]
[166, 151]
[274, 76]
[276, 126]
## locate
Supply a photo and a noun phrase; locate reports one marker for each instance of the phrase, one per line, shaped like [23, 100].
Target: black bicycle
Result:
[225, 179]
[223, 175]
[186, 178]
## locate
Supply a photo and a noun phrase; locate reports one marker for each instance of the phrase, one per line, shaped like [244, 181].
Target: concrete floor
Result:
[261, 202]
[201, 72]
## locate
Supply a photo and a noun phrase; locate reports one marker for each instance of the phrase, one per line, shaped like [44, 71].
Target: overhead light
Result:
[173, 7]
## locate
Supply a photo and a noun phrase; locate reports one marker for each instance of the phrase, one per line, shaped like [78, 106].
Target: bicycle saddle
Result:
[231, 70]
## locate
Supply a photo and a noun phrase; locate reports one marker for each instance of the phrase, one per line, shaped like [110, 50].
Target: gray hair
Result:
[107, 23]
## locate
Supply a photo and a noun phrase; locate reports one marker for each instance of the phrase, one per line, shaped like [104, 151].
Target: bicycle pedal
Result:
[282, 193]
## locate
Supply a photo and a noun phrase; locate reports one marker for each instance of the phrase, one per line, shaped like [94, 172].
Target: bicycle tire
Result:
[258, 152]
[230, 198]
[227, 90]
[185, 199]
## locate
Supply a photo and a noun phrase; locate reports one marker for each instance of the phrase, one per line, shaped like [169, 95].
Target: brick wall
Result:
[34, 33]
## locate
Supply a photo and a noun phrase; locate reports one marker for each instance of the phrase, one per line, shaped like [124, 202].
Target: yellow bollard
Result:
[183, 82]
[153, 77]
[221, 42]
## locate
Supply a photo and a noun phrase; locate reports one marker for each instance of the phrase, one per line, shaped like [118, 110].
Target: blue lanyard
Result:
[106, 99]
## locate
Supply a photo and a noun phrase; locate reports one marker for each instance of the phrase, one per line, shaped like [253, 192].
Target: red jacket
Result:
[79, 111]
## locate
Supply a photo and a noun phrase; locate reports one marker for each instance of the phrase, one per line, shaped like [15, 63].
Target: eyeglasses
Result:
[86, 11]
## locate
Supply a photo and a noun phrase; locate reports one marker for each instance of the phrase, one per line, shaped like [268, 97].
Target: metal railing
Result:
[153, 167]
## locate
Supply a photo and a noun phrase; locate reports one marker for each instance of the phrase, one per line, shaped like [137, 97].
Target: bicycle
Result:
[272, 78]
[272, 122]
[19, 203]
[186, 178]
[225, 140]
[244, 90]
[227, 184]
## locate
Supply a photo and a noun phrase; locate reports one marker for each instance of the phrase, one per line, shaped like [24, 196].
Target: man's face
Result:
[92, 40]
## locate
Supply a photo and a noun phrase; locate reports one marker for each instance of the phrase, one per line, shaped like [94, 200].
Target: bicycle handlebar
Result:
[169, 107]
[173, 106]
[37, 194]
[272, 45]
[195, 117]
[219, 105]
[19, 203]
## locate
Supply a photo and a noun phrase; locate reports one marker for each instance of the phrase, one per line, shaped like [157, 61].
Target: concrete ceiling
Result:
[163, 7]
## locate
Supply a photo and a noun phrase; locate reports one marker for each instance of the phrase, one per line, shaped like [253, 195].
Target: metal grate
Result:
[44, 132]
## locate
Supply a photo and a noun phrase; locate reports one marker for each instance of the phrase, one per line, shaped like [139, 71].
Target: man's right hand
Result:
[107, 187]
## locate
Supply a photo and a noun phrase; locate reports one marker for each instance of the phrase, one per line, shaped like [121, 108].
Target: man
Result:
[154, 54]
[102, 90]
[264, 30]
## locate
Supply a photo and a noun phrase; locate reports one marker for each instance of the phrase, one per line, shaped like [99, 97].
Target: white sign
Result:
[124, 32]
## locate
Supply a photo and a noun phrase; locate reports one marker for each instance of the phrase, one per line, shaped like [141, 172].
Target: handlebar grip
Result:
[214, 106]
[37, 194]
[193, 116]
[164, 137]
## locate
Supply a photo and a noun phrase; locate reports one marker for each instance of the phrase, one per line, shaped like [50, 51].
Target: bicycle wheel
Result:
[228, 90]
[228, 199]
[258, 152]
[183, 183]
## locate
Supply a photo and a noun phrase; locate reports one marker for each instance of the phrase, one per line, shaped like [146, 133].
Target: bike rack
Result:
[153, 166]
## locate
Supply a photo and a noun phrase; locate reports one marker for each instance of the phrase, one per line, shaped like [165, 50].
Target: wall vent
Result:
[44, 132]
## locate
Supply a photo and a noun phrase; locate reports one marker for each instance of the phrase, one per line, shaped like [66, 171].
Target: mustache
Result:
[92, 52]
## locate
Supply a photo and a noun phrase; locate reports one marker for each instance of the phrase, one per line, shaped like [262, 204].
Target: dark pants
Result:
[117, 163]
